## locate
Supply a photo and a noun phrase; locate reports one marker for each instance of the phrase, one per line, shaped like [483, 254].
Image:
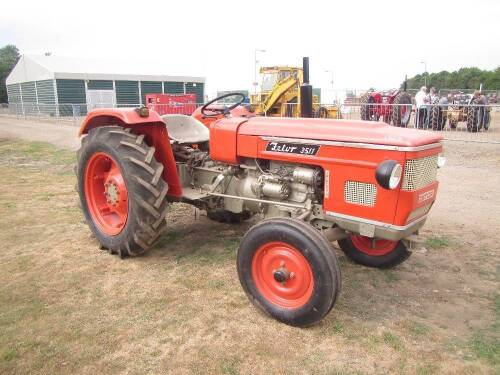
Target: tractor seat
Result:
[185, 129]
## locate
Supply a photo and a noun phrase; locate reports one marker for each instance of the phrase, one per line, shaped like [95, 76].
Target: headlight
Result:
[388, 174]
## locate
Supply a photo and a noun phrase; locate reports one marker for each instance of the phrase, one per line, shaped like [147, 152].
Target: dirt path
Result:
[58, 134]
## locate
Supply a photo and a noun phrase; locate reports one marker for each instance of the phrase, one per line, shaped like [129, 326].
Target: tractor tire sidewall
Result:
[392, 259]
[367, 108]
[400, 99]
[132, 240]
[436, 118]
[318, 253]
[487, 120]
[473, 119]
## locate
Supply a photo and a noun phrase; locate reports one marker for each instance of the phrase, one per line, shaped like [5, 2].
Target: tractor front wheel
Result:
[373, 252]
[122, 192]
[289, 270]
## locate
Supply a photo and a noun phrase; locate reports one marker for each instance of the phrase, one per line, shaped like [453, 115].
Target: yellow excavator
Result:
[280, 94]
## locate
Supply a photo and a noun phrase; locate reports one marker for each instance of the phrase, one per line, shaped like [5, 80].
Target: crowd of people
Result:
[425, 99]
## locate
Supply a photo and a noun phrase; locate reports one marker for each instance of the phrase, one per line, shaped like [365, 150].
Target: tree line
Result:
[464, 78]
[9, 56]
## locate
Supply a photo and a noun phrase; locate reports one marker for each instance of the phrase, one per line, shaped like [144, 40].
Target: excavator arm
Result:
[278, 91]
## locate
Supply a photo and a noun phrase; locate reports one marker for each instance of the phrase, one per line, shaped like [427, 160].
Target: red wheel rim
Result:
[279, 258]
[106, 194]
[374, 247]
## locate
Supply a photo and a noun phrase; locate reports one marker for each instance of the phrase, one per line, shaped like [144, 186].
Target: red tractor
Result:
[392, 106]
[368, 186]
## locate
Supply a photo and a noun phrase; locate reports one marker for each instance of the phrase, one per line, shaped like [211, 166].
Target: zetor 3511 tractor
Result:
[367, 185]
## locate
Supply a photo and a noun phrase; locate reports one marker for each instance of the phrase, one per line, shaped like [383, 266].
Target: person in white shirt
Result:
[420, 103]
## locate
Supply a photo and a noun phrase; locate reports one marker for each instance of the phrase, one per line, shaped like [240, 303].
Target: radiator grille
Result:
[360, 193]
[419, 172]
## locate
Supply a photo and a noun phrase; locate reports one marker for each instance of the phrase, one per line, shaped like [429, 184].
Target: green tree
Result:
[464, 78]
[9, 56]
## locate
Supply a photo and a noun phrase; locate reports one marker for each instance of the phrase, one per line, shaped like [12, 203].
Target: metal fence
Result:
[465, 122]
[74, 113]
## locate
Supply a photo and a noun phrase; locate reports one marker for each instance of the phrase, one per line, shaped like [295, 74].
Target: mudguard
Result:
[155, 133]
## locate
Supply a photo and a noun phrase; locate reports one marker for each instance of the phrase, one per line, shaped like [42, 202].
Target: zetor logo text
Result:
[292, 148]
[425, 196]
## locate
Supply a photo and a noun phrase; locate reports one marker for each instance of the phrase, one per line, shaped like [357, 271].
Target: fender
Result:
[155, 133]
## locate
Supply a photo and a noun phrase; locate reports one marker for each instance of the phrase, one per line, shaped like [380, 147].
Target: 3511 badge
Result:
[293, 148]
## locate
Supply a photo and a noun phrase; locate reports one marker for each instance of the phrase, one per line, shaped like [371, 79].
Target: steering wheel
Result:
[214, 112]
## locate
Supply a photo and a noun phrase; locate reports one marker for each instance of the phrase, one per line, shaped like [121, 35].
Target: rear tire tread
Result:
[145, 187]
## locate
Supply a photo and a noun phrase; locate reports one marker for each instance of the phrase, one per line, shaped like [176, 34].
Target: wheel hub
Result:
[282, 274]
[106, 193]
[112, 193]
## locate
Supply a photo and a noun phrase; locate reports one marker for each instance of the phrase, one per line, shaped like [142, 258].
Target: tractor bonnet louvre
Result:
[360, 193]
[419, 172]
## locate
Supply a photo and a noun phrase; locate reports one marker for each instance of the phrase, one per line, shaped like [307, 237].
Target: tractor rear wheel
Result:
[372, 252]
[224, 216]
[437, 119]
[289, 271]
[122, 192]
[478, 116]
[401, 109]
[474, 117]
[368, 110]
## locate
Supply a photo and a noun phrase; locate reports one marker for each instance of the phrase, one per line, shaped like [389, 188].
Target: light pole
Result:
[425, 72]
[255, 83]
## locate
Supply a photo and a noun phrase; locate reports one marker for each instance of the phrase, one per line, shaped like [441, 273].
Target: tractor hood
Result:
[352, 131]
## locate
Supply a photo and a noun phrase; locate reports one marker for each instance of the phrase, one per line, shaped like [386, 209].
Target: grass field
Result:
[68, 307]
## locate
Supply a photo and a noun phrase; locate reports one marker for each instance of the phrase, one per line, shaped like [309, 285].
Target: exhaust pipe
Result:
[306, 96]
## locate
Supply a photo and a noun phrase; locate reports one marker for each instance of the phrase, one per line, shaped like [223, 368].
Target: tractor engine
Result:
[275, 181]
[251, 185]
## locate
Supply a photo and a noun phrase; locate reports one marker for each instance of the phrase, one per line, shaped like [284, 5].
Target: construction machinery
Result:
[280, 94]
[367, 185]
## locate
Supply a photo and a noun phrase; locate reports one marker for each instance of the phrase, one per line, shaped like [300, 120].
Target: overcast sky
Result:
[365, 43]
